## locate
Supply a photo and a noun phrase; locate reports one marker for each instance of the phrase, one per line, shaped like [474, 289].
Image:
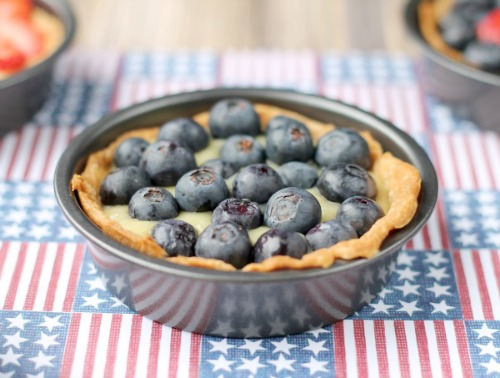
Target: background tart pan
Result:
[23, 94]
[237, 304]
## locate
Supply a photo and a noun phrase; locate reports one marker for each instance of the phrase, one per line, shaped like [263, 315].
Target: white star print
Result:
[487, 211]
[17, 322]
[91, 268]
[492, 366]
[277, 326]
[435, 259]
[489, 348]
[439, 290]
[467, 238]
[484, 331]
[221, 364]
[316, 346]
[9, 374]
[47, 341]
[252, 346]
[21, 201]
[39, 375]
[460, 211]
[493, 239]
[4, 188]
[457, 197]
[117, 302]
[223, 328]
[441, 307]
[485, 197]
[315, 366]
[67, 232]
[463, 224]
[380, 306]
[491, 224]
[366, 296]
[409, 307]
[93, 301]
[12, 230]
[47, 202]
[384, 292]
[252, 330]
[438, 273]
[407, 288]
[96, 284]
[270, 305]
[251, 365]
[10, 358]
[405, 259]
[24, 188]
[382, 272]
[282, 363]
[316, 332]
[42, 360]
[39, 232]
[14, 340]
[43, 216]
[51, 323]
[119, 283]
[407, 273]
[300, 314]
[220, 346]
[16, 216]
[282, 346]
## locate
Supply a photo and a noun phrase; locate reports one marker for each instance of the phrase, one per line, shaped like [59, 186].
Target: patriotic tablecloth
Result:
[439, 315]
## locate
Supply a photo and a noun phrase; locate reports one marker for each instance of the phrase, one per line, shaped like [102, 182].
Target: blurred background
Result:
[222, 24]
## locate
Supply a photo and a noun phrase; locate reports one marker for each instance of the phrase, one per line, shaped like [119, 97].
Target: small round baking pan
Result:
[472, 93]
[22, 94]
[237, 304]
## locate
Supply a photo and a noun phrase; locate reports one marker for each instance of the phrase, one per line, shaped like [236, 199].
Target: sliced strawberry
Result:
[11, 59]
[23, 35]
[15, 9]
[488, 29]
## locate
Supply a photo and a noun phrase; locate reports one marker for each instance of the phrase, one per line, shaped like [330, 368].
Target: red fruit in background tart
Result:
[23, 35]
[15, 9]
[488, 29]
[11, 59]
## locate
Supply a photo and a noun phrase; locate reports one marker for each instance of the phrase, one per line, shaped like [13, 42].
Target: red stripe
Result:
[463, 290]
[423, 349]
[175, 343]
[410, 245]
[360, 340]
[3, 254]
[114, 334]
[135, 338]
[453, 161]
[71, 341]
[54, 278]
[50, 150]
[194, 355]
[494, 257]
[463, 348]
[404, 363]
[435, 159]
[442, 225]
[154, 349]
[426, 237]
[483, 288]
[468, 158]
[35, 278]
[487, 161]
[380, 343]
[442, 344]
[116, 84]
[34, 145]
[19, 136]
[339, 349]
[73, 278]
[16, 277]
[90, 356]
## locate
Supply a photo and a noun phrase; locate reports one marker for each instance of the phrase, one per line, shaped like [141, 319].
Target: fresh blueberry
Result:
[298, 174]
[277, 242]
[223, 168]
[184, 130]
[287, 140]
[242, 150]
[200, 190]
[342, 146]
[257, 182]
[326, 234]
[165, 161]
[233, 116]
[342, 181]
[129, 152]
[120, 185]
[153, 203]
[360, 212]
[175, 236]
[470, 11]
[485, 56]
[241, 211]
[292, 209]
[226, 241]
[456, 31]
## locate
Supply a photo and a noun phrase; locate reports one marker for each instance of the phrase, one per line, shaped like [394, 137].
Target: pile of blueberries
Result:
[473, 27]
[259, 194]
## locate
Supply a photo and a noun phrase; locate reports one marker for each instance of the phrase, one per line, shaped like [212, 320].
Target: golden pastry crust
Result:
[398, 186]
[52, 30]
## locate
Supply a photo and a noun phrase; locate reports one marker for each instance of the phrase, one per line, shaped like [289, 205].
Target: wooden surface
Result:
[223, 24]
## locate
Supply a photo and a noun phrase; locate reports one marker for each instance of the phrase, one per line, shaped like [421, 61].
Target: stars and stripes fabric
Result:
[438, 316]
